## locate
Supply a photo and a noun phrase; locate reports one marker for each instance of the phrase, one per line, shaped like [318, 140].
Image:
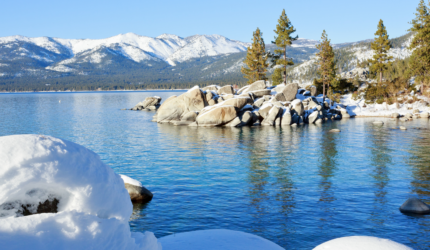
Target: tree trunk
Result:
[380, 78]
[323, 92]
[285, 66]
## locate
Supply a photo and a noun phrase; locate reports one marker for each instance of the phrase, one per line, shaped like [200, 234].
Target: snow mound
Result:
[93, 206]
[216, 239]
[360, 243]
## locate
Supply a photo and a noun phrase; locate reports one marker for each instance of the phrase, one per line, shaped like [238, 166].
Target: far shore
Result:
[82, 91]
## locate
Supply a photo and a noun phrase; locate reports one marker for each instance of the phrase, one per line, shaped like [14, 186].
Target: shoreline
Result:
[84, 91]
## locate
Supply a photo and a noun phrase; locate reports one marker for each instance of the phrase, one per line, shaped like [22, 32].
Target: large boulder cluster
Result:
[252, 105]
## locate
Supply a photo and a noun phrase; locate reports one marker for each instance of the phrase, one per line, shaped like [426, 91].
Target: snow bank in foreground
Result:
[93, 206]
[361, 243]
[215, 240]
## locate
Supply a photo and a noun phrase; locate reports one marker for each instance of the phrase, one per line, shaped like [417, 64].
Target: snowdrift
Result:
[72, 199]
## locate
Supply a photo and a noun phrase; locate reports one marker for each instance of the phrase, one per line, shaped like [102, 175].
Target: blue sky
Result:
[344, 21]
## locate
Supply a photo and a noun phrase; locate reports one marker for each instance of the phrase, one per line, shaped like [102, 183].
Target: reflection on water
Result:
[327, 167]
[381, 160]
[297, 186]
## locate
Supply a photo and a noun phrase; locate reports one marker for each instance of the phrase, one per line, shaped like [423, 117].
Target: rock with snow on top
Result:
[216, 239]
[138, 193]
[93, 201]
[227, 96]
[148, 102]
[298, 107]
[361, 243]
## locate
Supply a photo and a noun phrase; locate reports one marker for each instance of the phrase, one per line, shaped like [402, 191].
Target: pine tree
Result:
[256, 59]
[326, 63]
[284, 30]
[419, 64]
[277, 76]
[380, 47]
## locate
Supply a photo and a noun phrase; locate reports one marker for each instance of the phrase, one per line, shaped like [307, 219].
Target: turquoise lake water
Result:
[298, 187]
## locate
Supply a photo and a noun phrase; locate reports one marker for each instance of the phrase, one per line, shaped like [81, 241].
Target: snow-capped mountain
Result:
[169, 48]
[166, 59]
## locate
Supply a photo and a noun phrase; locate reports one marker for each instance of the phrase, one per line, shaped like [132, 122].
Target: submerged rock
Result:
[335, 130]
[415, 206]
[378, 123]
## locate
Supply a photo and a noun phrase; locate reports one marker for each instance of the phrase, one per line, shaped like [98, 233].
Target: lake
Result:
[296, 186]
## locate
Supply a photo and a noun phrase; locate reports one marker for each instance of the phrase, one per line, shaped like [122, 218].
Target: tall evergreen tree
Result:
[283, 39]
[326, 63]
[380, 47]
[419, 64]
[256, 59]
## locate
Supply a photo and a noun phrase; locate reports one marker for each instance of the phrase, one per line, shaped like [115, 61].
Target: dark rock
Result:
[414, 206]
[138, 194]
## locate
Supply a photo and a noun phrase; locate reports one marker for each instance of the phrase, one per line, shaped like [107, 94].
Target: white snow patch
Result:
[130, 181]
[60, 68]
[217, 239]
[94, 207]
[361, 243]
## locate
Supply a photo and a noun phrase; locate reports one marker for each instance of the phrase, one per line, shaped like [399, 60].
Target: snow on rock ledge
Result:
[361, 243]
[217, 239]
[93, 208]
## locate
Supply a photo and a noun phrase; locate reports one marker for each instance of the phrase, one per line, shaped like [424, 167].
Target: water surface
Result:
[298, 187]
